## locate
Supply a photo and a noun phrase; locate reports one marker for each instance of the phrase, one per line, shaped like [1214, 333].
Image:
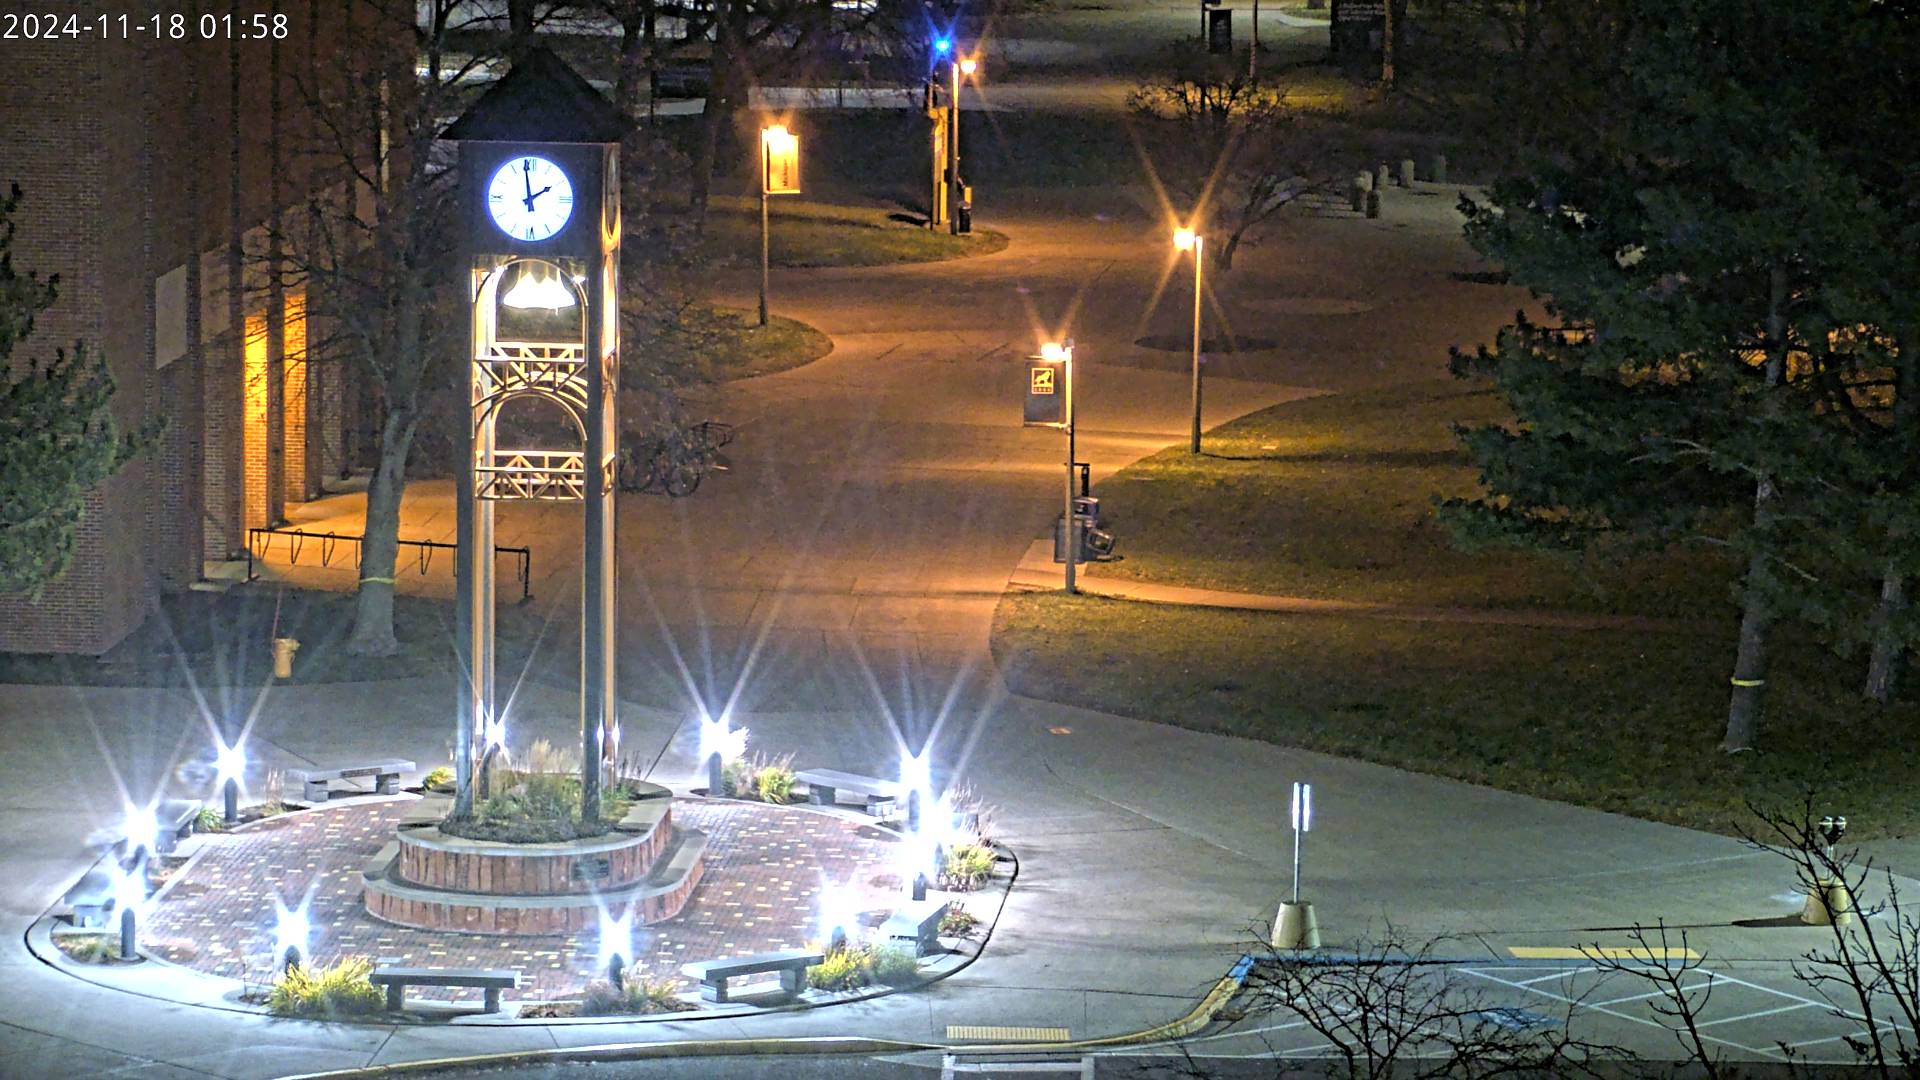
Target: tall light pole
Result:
[955, 189]
[1191, 240]
[942, 117]
[779, 175]
[1063, 355]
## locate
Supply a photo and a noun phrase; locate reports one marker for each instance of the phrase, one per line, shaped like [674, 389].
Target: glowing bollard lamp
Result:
[1294, 925]
[616, 947]
[291, 928]
[229, 764]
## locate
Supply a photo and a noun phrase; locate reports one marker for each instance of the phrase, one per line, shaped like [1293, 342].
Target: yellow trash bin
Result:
[283, 650]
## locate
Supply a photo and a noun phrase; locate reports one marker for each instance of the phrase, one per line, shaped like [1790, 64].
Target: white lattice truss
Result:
[553, 372]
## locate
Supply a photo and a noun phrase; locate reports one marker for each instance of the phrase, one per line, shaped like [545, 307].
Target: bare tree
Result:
[1392, 1008]
[1223, 141]
[374, 240]
[1872, 958]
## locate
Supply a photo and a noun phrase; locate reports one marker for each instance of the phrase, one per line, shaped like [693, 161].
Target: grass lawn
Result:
[1331, 497]
[762, 350]
[1621, 721]
[806, 234]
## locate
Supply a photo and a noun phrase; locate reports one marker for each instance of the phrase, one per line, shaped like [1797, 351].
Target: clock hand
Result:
[541, 192]
[526, 174]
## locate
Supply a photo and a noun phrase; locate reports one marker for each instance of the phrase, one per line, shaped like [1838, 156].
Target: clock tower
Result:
[540, 198]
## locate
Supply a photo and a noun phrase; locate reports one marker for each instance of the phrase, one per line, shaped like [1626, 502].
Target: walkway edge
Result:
[1193, 1020]
[1038, 572]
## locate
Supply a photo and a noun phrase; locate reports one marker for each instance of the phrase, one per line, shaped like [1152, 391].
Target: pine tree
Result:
[1697, 261]
[57, 436]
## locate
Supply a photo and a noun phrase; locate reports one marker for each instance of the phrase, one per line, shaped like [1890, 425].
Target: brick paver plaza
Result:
[765, 869]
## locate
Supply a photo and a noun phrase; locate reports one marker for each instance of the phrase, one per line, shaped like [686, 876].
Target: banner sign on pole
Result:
[1046, 404]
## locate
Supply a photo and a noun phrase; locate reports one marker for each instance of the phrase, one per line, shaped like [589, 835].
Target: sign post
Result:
[1050, 404]
[779, 175]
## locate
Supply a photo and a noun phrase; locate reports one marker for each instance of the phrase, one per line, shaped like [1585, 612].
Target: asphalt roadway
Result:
[836, 591]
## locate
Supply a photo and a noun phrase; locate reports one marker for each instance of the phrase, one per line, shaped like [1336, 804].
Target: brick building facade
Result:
[150, 170]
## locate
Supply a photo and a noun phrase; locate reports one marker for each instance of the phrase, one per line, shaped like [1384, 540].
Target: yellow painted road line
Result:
[1599, 952]
[1008, 1034]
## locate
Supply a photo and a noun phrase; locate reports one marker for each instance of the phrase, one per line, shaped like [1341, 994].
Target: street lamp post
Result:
[1063, 354]
[955, 189]
[779, 175]
[1191, 240]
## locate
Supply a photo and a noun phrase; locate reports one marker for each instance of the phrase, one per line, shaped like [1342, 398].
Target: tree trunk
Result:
[1889, 646]
[379, 552]
[718, 113]
[1889, 641]
[1748, 699]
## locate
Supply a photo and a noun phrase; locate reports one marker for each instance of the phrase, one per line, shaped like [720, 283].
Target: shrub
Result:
[968, 867]
[774, 782]
[895, 965]
[439, 779]
[89, 948]
[639, 997]
[736, 778]
[957, 922]
[341, 990]
[209, 820]
[846, 968]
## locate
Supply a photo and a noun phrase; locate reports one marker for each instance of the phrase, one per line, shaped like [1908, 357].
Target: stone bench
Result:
[825, 785]
[172, 822]
[916, 924]
[792, 964]
[397, 979]
[386, 776]
[89, 898]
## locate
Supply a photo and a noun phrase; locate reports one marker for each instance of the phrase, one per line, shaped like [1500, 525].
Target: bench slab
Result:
[792, 964]
[89, 898]
[916, 923]
[824, 787]
[386, 776]
[397, 979]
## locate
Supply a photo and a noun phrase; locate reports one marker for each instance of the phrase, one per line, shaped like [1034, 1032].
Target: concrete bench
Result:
[792, 964]
[386, 776]
[397, 979]
[916, 924]
[172, 822]
[825, 785]
[89, 898]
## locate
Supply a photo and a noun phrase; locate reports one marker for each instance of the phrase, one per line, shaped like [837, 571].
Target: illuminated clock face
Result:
[530, 198]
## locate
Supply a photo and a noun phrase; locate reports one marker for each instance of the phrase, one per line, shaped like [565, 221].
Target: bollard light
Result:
[129, 895]
[916, 777]
[229, 765]
[291, 929]
[139, 830]
[1189, 239]
[493, 733]
[1183, 239]
[616, 946]
[839, 918]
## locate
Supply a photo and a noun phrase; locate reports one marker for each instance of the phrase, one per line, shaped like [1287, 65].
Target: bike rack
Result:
[260, 543]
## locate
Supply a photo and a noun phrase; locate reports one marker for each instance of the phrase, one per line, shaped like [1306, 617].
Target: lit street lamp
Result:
[779, 175]
[1190, 240]
[958, 211]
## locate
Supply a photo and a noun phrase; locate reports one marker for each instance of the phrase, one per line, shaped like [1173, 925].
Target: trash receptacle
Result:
[1088, 506]
[283, 650]
[1095, 543]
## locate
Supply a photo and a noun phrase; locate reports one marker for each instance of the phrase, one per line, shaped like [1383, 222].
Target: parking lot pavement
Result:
[1754, 1011]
